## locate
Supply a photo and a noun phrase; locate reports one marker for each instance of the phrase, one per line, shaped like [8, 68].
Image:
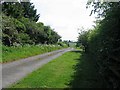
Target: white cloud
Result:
[65, 16]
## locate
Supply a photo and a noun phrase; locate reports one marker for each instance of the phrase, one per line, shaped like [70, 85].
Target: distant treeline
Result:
[103, 42]
[20, 26]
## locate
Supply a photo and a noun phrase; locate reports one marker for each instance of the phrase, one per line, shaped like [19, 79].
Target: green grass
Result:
[15, 53]
[55, 74]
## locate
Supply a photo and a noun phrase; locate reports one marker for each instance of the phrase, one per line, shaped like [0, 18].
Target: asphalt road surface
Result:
[14, 71]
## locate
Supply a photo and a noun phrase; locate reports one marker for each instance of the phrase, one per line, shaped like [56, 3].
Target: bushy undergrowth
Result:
[15, 53]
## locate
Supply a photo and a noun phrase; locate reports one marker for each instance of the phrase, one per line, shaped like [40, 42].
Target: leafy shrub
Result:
[8, 30]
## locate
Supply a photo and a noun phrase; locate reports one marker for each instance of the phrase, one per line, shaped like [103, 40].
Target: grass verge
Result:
[15, 53]
[55, 74]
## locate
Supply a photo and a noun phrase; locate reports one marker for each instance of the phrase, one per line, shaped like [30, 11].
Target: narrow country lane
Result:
[14, 71]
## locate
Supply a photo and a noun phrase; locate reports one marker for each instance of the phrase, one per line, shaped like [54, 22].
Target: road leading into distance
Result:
[14, 71]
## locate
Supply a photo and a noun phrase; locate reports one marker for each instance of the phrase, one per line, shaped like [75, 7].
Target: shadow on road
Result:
[86, 73]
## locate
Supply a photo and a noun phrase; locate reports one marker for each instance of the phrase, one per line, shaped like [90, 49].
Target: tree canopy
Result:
[21, 26]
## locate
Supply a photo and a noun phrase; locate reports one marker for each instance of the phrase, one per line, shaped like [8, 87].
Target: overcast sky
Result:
[65, 16]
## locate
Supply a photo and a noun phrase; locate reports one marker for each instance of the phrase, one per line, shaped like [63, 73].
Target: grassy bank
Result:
[55, 74]
[14, 53]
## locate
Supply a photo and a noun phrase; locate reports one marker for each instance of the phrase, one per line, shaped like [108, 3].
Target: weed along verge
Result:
[15, 53]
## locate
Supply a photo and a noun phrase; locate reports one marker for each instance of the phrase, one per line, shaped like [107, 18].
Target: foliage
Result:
[104, 40]
[62, 44]
[83, 39]
[13, 9]
[29, 11]
[19, 9]
[8, 30]
[20, 27]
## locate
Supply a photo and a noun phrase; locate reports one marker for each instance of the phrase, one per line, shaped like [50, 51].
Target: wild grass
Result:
[15, 53]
